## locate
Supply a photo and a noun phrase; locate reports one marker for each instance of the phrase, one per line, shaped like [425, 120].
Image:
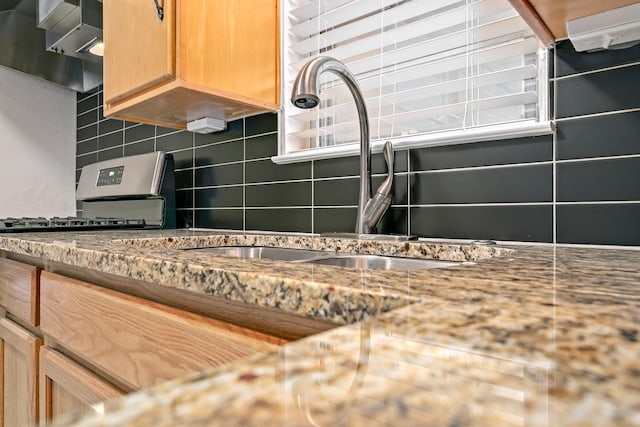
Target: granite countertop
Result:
[515, 335]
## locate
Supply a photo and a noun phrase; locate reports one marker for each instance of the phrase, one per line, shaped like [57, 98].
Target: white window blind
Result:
[424, 66]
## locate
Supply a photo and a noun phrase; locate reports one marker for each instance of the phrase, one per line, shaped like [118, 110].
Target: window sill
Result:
[489, 133]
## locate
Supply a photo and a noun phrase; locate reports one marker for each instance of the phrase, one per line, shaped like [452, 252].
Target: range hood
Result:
[72, 26]
[29, 49]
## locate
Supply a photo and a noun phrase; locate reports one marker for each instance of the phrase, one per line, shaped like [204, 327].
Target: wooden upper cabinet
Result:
[205, 58]
[548, 18]
[140, 47]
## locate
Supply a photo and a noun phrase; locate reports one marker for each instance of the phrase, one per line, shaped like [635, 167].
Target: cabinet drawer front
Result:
[19, 285]
[134, 341]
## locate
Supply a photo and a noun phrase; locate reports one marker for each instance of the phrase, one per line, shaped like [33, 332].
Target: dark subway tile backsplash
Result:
[225, 152]
[502, 190]
[182, 159]
[137, 133]
[521, 223]
[263, 123]
[571, 62]
[110, 140]
[87, 146]
[281, 194]
[87, 132]
[508, 151]
[233, 131]
[329, 220]
[107, 126]
[291, 220]
[598, 92]
[517, 184]
[112, 153]
[88, 103]
[174, 141]
[224, 197]
[605, 224]
[219, 218]
[267, 171]
[261, 147]
[599, 136]
[599, 180]
[219, 175]
[139, 148]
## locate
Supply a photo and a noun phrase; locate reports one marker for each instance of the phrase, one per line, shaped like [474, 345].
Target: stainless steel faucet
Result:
[305, 95]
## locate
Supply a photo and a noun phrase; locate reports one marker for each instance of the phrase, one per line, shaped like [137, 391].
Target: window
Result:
[431, 71]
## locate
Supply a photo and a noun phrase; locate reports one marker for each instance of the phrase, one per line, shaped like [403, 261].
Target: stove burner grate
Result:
[15, 225]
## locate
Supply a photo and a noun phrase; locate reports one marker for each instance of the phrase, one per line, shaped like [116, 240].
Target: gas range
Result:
[25, 225]
[130, 192]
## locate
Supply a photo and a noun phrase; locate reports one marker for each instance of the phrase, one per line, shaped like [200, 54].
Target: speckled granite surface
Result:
[535, 336]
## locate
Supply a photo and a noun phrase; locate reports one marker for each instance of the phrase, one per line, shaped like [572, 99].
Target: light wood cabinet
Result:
[19, 351]
[19, 285]
[67, 387]
[205, 58]
[136, 343]
[93, 344]
[548, 18]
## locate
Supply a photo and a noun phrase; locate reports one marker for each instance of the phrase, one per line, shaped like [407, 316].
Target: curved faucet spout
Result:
[305, 95]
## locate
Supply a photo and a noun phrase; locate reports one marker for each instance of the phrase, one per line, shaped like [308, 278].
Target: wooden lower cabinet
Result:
[19, 375]
[66, 386]
[136, 343]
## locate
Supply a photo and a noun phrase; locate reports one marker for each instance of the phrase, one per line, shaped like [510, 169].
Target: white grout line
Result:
[197, 147]
[290, 181]
[602, 202]
[261, 134]
[599, 70]
[408, 213]
[488, 167]
[595, 159]
[594, 115]
[244, 175]
[229, 208]
[479, 205]
[554, 139]
[271, 208]
[313, 198]
[237, 162]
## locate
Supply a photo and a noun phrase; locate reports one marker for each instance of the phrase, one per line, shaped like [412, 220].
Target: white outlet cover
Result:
[206, 125]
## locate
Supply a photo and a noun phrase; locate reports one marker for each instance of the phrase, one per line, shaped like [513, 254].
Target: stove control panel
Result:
[126, 177]
[110, 176]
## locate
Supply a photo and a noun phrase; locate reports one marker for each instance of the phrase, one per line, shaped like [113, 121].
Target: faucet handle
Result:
[385, 187]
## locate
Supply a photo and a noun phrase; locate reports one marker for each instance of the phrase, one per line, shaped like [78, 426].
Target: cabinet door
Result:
[67, 387]
[139, 47]
[19, 287]
[19, 375]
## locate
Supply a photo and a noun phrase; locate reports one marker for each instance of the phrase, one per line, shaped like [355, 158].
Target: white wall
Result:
[37, 147]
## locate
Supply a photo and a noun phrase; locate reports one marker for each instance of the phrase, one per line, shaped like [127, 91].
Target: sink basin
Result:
[264, 252]
[376, 262]
[362, 262]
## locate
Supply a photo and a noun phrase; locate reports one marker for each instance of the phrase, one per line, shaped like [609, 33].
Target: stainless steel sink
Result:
[264, 252]
[376, 262]
[362, 262]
